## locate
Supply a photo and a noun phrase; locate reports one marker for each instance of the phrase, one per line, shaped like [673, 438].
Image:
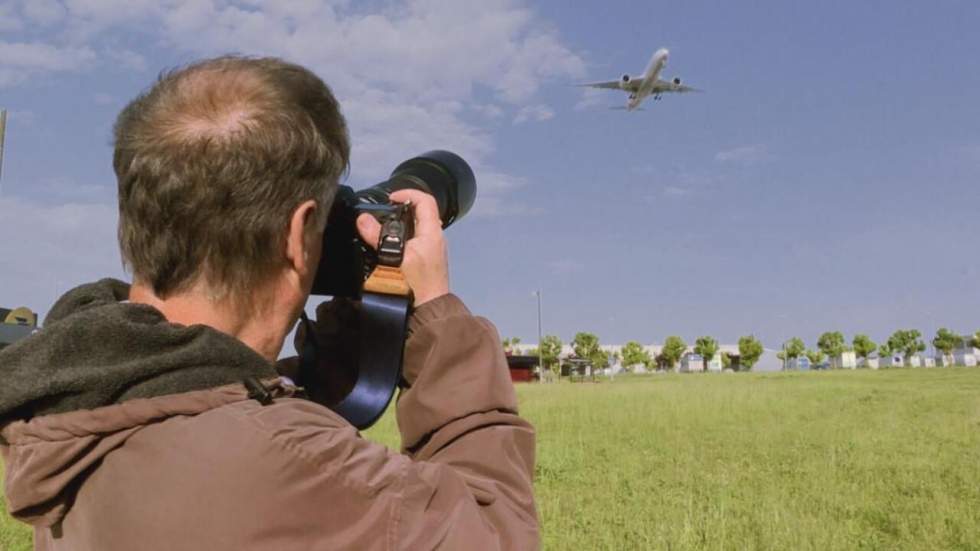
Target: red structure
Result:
[522, 368]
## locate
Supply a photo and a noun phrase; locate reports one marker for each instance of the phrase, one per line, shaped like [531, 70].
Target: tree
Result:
[750, 350]
[600, 359]
[884, 350]
[585, 345]
[634, 354]
[832, 344]
[550, 348]
[906, 342]
[510, 345]
[726, 360]
[795, 348]
[672, 351]
[706, 347]
[792, 349]
[863, 346]
[975, 341]
[946, 341]
[815, 356]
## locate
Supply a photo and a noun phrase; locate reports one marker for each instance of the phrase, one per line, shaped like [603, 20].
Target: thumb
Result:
[370, 230]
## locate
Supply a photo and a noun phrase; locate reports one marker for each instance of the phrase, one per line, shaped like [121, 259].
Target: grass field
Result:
[884, 459]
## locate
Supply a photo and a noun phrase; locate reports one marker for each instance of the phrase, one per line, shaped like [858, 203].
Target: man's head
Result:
[215, 164]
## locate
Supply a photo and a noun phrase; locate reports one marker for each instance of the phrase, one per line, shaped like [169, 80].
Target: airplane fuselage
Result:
[645, 85]
[650, 76]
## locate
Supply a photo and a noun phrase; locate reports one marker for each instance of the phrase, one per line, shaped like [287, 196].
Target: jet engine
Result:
[626, 79]
[677, 81]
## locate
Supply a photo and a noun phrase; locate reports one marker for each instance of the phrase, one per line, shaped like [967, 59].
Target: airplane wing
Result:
[609, 84]
[665, 86]
[682, 88]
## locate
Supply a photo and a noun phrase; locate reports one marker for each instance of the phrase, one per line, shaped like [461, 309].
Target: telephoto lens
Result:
[442, 174]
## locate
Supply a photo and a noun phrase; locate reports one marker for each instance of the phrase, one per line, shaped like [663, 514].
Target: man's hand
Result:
[426, 264]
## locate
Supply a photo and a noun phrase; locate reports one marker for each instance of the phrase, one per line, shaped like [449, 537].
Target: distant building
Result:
[915, 361]
[966, 355]
[522, 368]
[845, 360]
[577, 368]
[767, 362]
[869, 363]
[801, 363]
[892, 360]
[714, 364]
[928, 361]
[692, 363]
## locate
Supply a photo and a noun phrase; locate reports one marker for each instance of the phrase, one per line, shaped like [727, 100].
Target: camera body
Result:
[346, 260]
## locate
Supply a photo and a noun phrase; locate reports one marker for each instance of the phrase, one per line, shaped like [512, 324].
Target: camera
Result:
[346, 260]
[360, 387]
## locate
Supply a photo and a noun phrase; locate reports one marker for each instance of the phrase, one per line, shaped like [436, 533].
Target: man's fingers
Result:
[370, 229]
[427, 221]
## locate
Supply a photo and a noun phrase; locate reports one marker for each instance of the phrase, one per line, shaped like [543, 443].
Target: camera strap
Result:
[385, 303]
[384, 320]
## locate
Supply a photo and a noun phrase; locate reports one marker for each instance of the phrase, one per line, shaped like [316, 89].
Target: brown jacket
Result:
[212, 469]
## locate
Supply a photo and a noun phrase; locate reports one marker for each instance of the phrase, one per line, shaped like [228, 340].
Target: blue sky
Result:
[829, 178]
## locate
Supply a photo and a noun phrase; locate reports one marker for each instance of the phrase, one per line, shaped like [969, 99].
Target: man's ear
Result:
[300, 237]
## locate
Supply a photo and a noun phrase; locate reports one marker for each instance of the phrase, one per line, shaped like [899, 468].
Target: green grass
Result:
[884, 459]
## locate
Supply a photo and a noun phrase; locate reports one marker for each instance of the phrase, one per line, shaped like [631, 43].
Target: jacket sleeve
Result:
[473, 455]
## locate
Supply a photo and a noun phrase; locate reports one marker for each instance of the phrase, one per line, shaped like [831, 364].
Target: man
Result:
[126, 423]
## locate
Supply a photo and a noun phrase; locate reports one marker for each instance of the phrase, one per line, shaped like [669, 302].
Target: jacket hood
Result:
[99, 370]
[95, 349]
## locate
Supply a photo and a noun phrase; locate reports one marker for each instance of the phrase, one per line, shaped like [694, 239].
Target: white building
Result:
[691, 363]
[943, 360]
[800, 363]
[714, 364]
[915, 361]
[928, 361]
[966, 355]
[894, 360]
[869, 363]
[846, 360]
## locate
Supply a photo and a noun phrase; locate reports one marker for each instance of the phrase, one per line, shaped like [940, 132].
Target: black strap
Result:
[383, 320]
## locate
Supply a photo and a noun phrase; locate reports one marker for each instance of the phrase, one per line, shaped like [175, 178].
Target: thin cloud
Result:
[61, 245]
[403, 81]
[536, 113]
[21, 61]
[591, 97]
[746, 155]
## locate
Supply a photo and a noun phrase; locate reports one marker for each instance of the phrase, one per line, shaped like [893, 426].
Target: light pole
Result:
[3, 130]
[540, 353]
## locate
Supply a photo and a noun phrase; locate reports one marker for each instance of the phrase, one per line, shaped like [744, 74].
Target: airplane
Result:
[647, 85]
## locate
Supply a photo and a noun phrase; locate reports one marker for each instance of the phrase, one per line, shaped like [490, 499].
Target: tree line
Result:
[586, 346]
[904, 342]
[831, 344]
